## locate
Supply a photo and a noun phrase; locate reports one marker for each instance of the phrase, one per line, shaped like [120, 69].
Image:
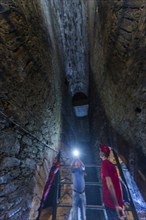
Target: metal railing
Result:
[27, 132]
[132, 206]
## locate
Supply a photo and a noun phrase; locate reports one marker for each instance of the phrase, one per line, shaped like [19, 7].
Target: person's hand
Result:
[120, 213]
[85, 174]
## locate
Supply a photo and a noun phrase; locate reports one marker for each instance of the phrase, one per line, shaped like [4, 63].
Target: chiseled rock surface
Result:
[118, 73]
[31, 98]
[43, 42]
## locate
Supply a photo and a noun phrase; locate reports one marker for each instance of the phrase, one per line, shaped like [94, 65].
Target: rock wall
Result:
[30, 117]
[118, 75]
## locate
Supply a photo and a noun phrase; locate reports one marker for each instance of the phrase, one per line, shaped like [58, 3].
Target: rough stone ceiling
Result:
[65, 24]
[75, 44]
[71, 22]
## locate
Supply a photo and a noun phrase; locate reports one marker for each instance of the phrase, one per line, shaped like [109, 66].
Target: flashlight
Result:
[76, 153]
